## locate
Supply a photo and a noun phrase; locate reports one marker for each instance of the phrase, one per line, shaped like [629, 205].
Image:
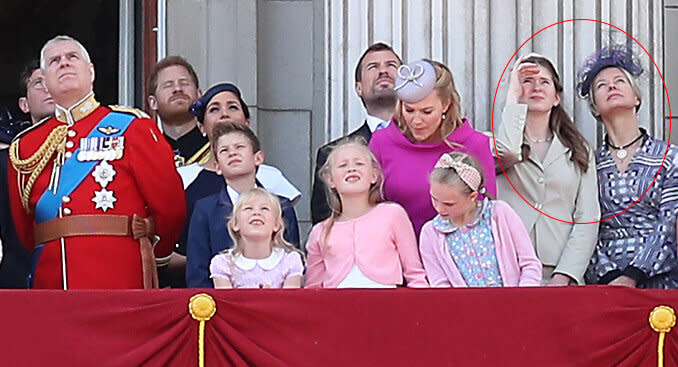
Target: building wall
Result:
[477, 38]
[266, 49]
[294, 59]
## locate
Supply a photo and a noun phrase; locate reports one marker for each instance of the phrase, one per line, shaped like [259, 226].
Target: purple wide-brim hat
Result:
[615, 55]
[415, 81]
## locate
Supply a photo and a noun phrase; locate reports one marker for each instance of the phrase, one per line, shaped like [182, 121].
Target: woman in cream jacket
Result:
[552, 167]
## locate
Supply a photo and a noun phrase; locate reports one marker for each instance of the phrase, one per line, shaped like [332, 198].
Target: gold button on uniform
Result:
[68, 154]
[65, 199]
[67, 211]
[69, 144]
[71, 133]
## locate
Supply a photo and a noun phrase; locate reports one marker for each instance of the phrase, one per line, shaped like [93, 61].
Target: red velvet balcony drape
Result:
[577, 326]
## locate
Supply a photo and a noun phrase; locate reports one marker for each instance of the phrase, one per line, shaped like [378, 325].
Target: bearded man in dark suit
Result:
[374, 81]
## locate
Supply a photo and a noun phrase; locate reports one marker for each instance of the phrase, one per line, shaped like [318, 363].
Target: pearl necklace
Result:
[540, 140]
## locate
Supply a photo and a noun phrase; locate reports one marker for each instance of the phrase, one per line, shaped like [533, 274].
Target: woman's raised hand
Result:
[520, 71]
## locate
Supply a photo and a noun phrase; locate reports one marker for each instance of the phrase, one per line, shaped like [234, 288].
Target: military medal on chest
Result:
[103, 149]
[103, 174]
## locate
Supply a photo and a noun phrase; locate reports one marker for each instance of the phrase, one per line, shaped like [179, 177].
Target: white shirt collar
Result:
[373, 122]
[232, 194]
[267, 263]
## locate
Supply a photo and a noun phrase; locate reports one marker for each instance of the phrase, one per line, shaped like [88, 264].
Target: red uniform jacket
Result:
[145, 183]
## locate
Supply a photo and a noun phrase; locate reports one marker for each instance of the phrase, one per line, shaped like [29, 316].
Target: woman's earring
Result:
[444, 116]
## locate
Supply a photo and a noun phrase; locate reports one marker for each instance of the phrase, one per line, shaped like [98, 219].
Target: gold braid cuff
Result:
[36, 163]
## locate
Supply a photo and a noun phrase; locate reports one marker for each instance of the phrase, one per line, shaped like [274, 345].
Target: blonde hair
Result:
[634, 87]
[447, 92]
[376, 189]
[449, 176]
[276, 237]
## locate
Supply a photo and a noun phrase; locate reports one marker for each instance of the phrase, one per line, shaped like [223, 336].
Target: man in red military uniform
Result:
[93, 190]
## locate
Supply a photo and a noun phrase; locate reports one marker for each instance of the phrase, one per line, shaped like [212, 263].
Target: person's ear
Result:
[216, 166]
[153, 103]
[375, 177]
[330, 181]
[258, 158]
[23, 105]
[557, 101]
[359, 89]
[473, 196]
[91, 70]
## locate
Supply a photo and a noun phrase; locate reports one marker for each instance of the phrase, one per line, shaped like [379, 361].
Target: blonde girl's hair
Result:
[447, 91]
[276, 237]
[376, 189]
[449, 176]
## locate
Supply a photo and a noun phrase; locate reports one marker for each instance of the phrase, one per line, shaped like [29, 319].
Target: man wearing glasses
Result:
[35, 101]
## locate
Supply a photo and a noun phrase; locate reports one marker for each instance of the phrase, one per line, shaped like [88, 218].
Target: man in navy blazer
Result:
[374, 81]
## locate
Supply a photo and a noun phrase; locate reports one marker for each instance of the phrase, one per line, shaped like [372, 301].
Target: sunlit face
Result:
[451, 202]
[351, 171]
[423, 118]
[68, 74]
[175, 93]
[539, 91]
[223, 107]
[378, 73]
[257, 218]
[235, 156]
[612, 90]
[37, 102]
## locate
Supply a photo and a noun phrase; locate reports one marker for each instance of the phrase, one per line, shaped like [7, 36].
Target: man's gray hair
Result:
[62, 38]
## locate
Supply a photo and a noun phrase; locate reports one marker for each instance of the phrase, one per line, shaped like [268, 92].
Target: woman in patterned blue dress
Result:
[637, 238]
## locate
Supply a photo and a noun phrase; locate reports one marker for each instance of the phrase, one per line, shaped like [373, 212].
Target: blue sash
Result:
[73, 172]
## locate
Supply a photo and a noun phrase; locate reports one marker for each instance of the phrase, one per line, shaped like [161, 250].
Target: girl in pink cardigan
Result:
[473, 243]
[364, 243]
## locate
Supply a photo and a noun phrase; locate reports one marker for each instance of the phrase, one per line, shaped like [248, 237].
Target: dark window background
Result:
[25, 25]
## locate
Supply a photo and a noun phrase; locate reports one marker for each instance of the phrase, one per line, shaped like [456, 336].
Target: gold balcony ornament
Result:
[662, 319]
[202, 307]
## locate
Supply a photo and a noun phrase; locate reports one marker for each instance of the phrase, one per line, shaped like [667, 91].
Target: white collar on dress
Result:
[267, 263]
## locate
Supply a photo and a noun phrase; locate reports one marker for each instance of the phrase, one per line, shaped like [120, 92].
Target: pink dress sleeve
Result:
[315, 268]
[220, 266]
[428, 241]
[406, 244]
[293, 265]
